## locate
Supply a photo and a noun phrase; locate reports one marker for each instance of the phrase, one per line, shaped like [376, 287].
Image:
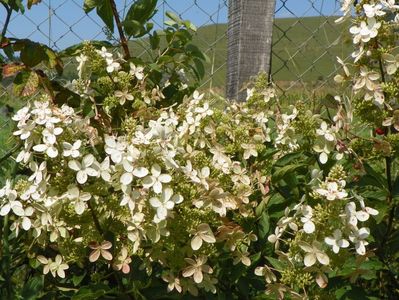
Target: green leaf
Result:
[89, 5]
[199, 68]
[141, 11]
[104, 11]
[154, 40]
[264, 225]
[281, 173]
[32, 288]
[32, 53]
[173, 17]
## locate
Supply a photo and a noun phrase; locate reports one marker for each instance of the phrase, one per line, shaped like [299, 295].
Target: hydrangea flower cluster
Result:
[164, 184]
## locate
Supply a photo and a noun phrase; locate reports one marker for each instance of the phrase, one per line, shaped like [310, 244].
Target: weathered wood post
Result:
[249, 42]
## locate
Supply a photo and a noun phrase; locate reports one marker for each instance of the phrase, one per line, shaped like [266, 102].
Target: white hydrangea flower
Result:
[137, 71]
[71, 150]
[358, 237]
[115, 147]
[366, 31]
[156, 179]
[112, 65]
[250, 150]
[8, 197]
[47, 148]
[83, 169]
[336, 241]
[313, 253]
[373, 10]
[25, 130]
[202, 233]
[164, 203]
[308, 225]
[123, 96]
[333, 191]
[56, 267]
[39, 171]
[79, 198]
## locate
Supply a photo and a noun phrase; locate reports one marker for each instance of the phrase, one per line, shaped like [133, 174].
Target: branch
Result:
[7, 21]
[95, 219]
[120, 30]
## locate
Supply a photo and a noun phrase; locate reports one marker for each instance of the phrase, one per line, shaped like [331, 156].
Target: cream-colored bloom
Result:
[100, 250]
[202, 233]
[196, 268]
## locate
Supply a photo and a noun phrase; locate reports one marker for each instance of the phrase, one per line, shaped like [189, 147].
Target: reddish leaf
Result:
[12, 69]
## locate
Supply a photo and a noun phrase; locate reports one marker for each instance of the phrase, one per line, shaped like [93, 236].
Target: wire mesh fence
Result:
[306, 42]
[306, 39]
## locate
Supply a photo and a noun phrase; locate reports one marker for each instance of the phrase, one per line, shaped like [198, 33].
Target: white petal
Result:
[74, 165]
[79, 207]
[165, 178]
[140, 172]
[126, 178]
[81, 177]
[323, 258]
[196, 243]
[155, 202]
[323, 158]
[310, 259]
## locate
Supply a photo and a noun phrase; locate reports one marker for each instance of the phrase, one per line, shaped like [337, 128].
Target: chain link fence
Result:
[306, 42]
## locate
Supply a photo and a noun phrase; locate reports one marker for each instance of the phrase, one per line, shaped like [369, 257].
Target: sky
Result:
[69, 24]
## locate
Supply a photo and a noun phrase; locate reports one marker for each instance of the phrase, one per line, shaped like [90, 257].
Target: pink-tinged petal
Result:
[106, 254]
[94, 255]
[125, 269]
[106, 245]
[198, 277]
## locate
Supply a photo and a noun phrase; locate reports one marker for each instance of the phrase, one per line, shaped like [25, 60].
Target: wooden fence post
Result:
[249, 43]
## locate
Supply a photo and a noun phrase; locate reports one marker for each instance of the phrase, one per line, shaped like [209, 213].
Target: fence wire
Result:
[306, 42]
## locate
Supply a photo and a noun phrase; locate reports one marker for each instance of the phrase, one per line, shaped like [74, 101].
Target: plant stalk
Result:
[7, 21]
[122, 36]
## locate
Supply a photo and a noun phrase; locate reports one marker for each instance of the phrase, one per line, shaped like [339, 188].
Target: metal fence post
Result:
[249, 42]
